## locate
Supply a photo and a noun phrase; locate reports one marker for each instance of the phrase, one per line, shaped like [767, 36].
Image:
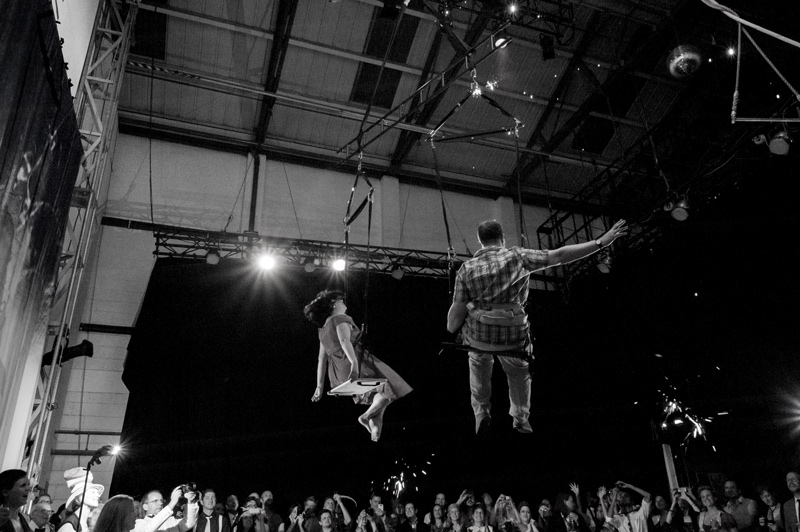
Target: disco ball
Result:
[684, 61]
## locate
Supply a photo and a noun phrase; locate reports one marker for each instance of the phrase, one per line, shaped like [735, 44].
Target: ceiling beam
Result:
[650, 49]
[472, 37]
[346, 54]
[239, 88]
[555, 99]
[274, 66]
[189, 134]
[255, 31]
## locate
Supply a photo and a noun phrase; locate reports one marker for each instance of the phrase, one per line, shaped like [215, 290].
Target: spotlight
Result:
[102, 452]
[397, 272]
[513, 8]
[501, 39]
[780, 143]
[212, 257]
[83, 349]
[731, 51]
[681, 210]
[338, 265]
[309, 265]
[548, 51]
[604, 262]
[266, 261]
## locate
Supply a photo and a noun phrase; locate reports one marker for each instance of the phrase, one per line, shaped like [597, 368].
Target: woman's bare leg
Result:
[376, 421]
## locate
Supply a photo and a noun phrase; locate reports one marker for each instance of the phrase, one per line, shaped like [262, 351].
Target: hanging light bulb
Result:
[604, 262]
[681, 210]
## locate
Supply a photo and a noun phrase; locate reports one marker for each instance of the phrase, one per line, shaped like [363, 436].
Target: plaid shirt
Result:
[497, 275]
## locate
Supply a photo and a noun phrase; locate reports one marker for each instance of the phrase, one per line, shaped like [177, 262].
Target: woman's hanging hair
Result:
[321, 307]
[114, 516]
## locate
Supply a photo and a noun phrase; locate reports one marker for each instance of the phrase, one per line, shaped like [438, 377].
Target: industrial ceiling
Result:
[579, 113]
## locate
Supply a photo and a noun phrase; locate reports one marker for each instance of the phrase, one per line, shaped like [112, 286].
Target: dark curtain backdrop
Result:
[221, 370]
[39, 159]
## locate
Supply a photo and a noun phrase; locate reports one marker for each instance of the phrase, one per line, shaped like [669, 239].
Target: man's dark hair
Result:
[490, 231]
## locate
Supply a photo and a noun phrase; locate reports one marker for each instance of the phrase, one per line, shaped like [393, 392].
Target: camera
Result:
[189, 487]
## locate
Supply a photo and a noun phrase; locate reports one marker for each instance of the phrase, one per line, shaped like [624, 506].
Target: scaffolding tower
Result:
[96, 101]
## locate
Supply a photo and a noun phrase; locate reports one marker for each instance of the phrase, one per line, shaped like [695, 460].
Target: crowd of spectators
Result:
[620, 508]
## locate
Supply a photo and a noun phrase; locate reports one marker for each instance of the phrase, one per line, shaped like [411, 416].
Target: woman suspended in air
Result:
[345, 359]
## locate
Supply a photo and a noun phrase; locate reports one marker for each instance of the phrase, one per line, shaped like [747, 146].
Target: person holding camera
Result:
[251, 520]
[159, 516]
[632, 520]
[308, 520]
[291, 522]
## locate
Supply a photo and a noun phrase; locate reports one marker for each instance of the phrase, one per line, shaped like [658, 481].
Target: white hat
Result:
[76, 478]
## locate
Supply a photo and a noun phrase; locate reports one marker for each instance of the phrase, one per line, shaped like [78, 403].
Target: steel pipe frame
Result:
[345, 54]
[229, 86]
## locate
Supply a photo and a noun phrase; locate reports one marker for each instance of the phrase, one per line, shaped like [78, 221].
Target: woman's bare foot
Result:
[364, 421]
[376, 424]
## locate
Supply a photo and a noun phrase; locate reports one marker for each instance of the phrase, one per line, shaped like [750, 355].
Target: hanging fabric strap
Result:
[450, 251]
[364, 327]
[348, 220]
[523, 238]
[735, 104]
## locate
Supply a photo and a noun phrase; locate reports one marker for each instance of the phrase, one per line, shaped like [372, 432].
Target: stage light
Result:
[681, 210]
[731, 51]
[475, 89]
[338, 265]
[397, 272]
[102, 452]
[513, 8]
[548, 49]
[309, 264]
[780, 143]
[212, 257]
[266, 261]
[83, 349]
[604, 262]
[501, 39]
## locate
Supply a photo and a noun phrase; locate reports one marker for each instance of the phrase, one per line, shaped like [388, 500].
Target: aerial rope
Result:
[347, 221]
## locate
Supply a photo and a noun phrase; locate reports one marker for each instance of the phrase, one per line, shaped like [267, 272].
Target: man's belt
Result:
[499, 314]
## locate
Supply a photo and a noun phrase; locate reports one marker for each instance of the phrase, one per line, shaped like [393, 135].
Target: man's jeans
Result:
[480, 384]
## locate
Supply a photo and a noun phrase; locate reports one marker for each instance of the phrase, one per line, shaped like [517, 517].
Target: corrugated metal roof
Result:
[215, 71]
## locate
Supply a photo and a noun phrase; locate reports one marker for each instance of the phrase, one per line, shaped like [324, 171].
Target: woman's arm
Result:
[345, 514]
[612, 508]
[687, 496]
[343, 332]
[322, 368]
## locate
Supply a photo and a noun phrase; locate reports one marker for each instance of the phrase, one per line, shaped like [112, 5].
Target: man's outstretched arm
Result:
[566, 254]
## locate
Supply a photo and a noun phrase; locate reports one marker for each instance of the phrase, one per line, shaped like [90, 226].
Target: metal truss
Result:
[312, 254]
[96, 110]
[553, 17]
[565, 227]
